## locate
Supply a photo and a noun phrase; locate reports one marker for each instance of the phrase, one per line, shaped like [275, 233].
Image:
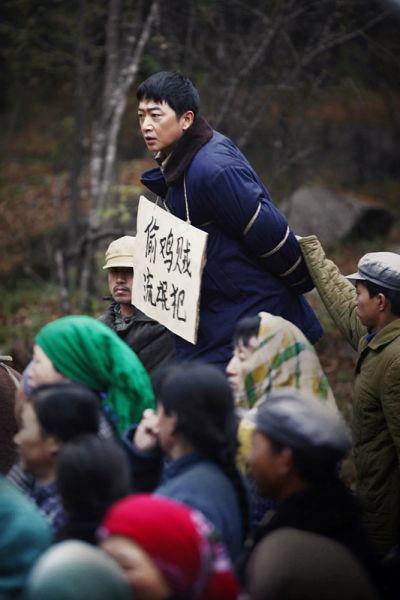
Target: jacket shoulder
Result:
[392, 352]
[217, 154]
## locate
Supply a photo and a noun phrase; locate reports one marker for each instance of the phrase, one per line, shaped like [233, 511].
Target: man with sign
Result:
[253, 259]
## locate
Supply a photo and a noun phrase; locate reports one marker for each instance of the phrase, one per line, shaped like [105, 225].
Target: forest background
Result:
[308, 89]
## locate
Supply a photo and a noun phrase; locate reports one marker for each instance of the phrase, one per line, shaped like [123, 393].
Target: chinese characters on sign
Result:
[168, 264]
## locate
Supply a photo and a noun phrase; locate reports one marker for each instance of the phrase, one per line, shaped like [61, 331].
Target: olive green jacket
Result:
[376, 404]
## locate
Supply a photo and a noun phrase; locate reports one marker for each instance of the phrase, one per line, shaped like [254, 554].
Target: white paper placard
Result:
[168, 264]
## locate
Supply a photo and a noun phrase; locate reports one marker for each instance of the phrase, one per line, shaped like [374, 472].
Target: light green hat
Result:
[74, 570]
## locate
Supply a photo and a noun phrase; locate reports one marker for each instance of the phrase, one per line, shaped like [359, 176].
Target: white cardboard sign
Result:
[168, 264]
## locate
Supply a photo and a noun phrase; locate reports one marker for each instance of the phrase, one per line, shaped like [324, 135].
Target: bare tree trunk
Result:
[65, 303]
[80, 119]
[121, 68]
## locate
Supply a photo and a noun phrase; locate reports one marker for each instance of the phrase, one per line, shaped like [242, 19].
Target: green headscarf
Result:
[86, 351]
[74, 570]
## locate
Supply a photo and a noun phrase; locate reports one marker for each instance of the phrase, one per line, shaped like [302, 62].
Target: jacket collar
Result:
[154, 180]
[139, 316]
[384, 336]
[198, 134]
[172, 468]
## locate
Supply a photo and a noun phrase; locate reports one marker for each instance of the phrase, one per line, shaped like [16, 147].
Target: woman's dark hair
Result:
[92, 474]
[173, 88]
[66, 410]
[392, 295]
[246, 328]
[200, 397]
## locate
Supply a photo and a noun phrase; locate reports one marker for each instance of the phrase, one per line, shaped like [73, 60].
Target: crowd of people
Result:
[137, 465]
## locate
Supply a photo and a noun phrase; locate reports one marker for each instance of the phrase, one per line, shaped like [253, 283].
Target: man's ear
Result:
[286, 460]
[383, 302]
[187, 119]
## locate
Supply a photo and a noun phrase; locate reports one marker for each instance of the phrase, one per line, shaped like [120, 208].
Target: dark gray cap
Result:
[381, 268]
[302, 421]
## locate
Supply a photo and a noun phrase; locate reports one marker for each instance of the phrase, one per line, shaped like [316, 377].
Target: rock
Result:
[334, 217]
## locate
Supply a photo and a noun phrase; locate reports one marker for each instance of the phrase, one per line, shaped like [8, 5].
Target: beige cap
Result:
[120, 252]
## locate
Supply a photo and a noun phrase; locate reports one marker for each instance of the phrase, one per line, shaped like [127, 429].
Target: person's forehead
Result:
[360, 285]
[250, 344]
[38, 352]
[149, 104]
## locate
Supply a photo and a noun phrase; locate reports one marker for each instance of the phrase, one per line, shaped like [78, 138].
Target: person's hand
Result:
[146, 434]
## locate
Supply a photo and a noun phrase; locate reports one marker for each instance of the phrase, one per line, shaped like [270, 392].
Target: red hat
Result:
[180, 541]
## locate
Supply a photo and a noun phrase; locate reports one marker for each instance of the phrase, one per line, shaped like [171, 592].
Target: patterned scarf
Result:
[283, 357]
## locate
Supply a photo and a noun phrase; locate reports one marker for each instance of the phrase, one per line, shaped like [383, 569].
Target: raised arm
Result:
[337, 293]
[144, 454]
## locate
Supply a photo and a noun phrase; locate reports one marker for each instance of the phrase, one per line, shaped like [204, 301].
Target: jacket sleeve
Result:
[337, 293]
[145, 467]
[241, 207]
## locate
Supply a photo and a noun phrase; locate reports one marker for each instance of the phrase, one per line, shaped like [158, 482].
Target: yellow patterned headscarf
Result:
[283, 357]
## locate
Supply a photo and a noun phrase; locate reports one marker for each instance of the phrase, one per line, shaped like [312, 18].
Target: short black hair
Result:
[246, 328]
[66, 409]
[392, 295]
[92, 474]
[173, 88]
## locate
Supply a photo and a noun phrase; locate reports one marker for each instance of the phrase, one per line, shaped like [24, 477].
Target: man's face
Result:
[367, 308]
[268, 467]
[120, 281]
[159, 125]
[236, 368]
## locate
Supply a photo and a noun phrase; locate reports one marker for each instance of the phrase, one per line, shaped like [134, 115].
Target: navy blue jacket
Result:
[254, 261]
[194, 481]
